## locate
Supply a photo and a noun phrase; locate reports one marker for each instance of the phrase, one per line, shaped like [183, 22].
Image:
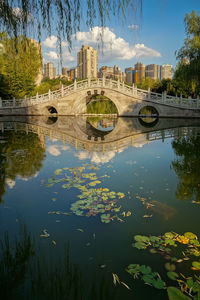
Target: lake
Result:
[75, 191]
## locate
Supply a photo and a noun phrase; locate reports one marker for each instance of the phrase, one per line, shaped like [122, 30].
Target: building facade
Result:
[49, 70]
[130, 75]
[166, 71]
[153, 71]
[139, 72]
[87, 59]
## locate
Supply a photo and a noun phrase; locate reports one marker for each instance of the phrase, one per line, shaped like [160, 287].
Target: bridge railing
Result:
[103, 83]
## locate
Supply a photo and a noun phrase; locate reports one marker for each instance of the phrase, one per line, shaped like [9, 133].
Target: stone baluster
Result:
[13, 102]
[62, 91]
[89, 82]
[49, 94]
[149, 93]
[198, 101]
[133, 89]
[0, 102]
[110, 83]
[181, 99]
[37, 97]
[103, 81]
[75, 85]
[118, 84]
[123, 85]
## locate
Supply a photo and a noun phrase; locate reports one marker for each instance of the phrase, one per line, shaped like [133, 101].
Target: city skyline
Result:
[152, 40]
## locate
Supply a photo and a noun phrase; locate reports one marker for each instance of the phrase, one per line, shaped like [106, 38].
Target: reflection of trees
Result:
[187, 166]
[20, 154]
[14, 265]
[27, 275]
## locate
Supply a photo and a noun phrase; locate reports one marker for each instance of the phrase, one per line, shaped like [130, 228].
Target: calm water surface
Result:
[62, 240]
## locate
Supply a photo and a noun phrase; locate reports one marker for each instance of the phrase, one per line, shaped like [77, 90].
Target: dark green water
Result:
[56, 251]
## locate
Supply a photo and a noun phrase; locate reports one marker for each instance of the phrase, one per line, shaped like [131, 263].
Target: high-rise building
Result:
[87, 62]
[49, 70]
[72, 73]
[166, 71]
[111, 72]
[139, 72]
[153, 71]
[64, 71]
[54, 72]
[130, 74]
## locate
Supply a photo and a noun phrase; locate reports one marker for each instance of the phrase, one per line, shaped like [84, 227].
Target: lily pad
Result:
[172, 275]
[176, 294]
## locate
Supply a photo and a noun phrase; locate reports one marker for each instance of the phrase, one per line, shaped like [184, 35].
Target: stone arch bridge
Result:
[129, 100]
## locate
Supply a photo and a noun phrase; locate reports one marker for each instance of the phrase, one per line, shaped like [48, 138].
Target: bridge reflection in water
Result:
[100, 134]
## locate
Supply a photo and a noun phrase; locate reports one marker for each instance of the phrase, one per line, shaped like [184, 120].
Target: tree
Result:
[19, 66]
[47, 15]
[188, 69]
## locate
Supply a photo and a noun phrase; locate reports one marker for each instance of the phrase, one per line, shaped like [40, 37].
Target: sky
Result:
[152, 37]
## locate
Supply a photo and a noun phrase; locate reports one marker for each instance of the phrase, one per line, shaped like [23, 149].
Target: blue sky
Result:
[158, 33]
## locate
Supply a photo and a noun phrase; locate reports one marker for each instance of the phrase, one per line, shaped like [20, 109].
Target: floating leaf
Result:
[158, 284]
[54, 242]
[176, 294]
[79, 229]
[58, 171]
[190, 235]
[196, 265]
[172, 275]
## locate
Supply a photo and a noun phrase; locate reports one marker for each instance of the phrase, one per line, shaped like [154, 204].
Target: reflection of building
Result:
[49, 70]
[153, 71]
[166, 72]
[105, 123]
[87, 62]
[139, 72]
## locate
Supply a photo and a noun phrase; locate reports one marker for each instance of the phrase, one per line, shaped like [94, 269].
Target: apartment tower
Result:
[87, 62]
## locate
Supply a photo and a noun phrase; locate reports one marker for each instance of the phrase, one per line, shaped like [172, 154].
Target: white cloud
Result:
[51, 41]
[51, 55]
[53, 150]
[97, 157]
[68, 57]
[114, 47]
[10, 183]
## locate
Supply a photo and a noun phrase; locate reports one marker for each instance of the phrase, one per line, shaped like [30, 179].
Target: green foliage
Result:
[187, 245]
[188, 73]
[21, 154]
[19, 66]
[146, 274]
[176, 294]
[186, 165]
[101, 107]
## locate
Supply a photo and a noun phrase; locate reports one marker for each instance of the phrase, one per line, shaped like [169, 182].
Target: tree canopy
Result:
[19, 66]
[188, 70]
